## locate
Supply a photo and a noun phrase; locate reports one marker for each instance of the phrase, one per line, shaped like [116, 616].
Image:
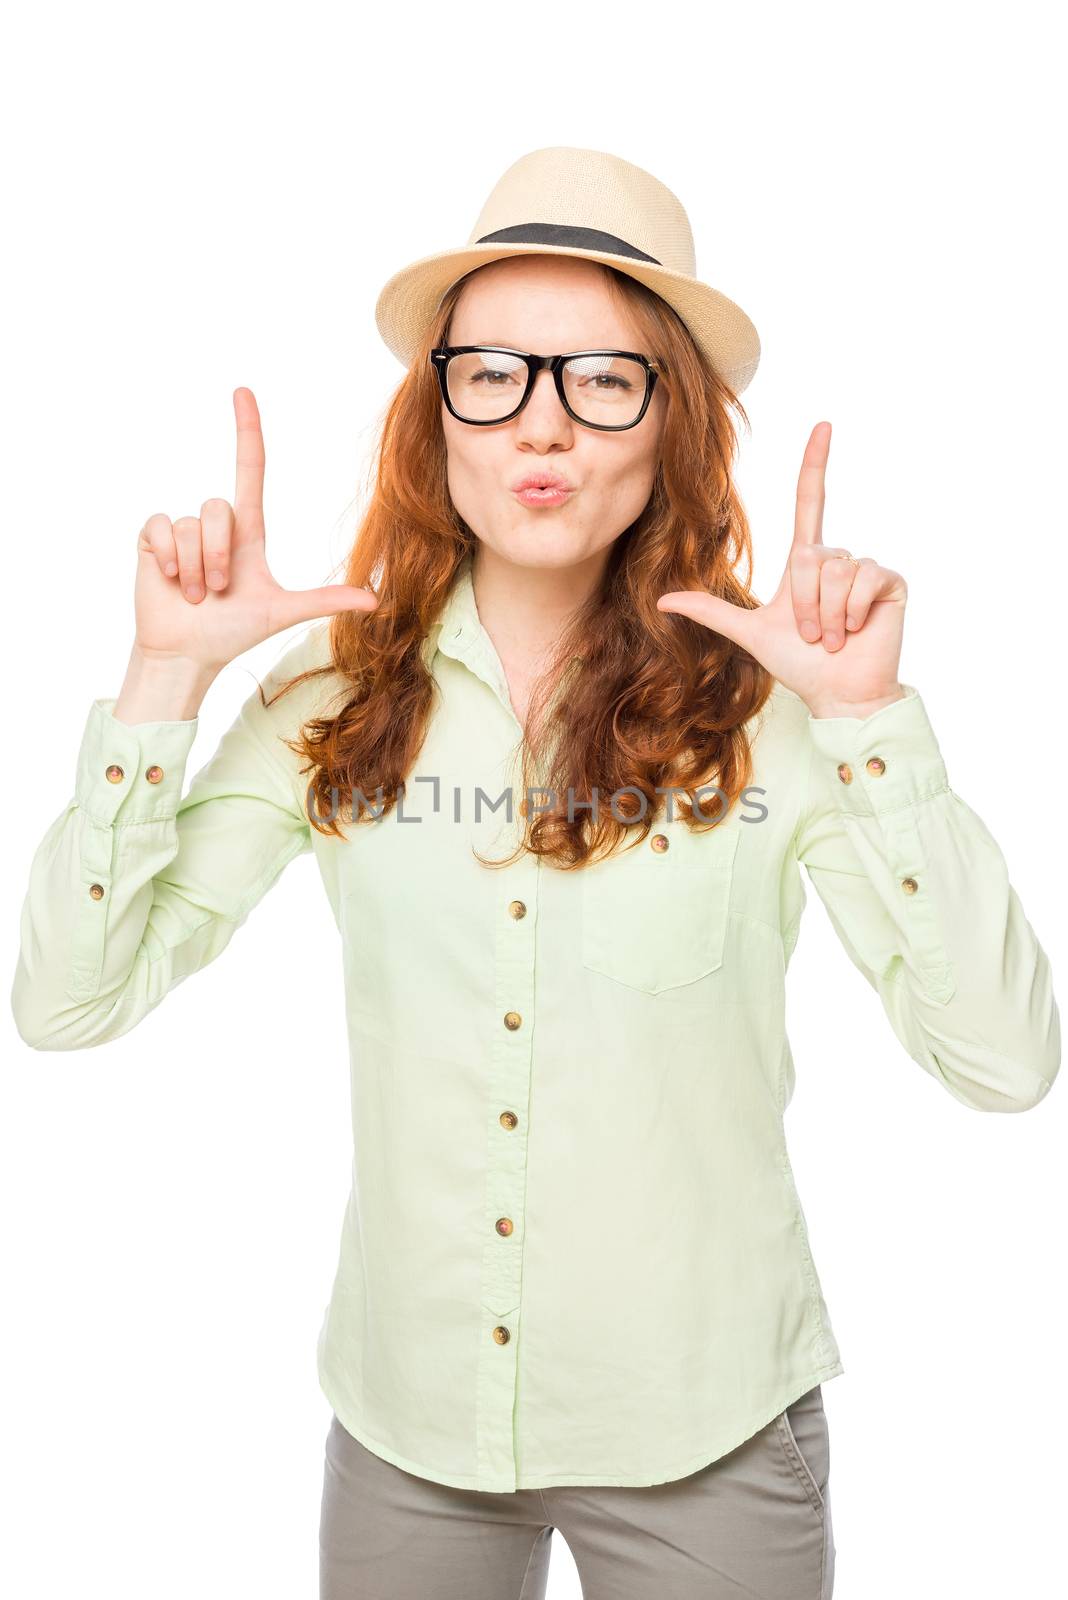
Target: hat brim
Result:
[409, 299]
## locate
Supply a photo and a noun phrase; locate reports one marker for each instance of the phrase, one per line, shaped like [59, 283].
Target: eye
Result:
[485, 375]
[607, 374]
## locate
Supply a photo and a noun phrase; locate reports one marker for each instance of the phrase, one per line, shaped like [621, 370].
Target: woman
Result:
[574, 1286]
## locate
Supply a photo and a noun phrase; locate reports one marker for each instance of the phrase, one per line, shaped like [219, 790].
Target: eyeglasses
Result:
[607, 389]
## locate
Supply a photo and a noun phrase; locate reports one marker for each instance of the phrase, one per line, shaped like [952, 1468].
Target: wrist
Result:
[826, 708]
[162, 689]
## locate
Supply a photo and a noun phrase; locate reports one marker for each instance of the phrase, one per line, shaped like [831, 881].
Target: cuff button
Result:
[876, 764]
[154, 774]
[114, 773]
[845, 772]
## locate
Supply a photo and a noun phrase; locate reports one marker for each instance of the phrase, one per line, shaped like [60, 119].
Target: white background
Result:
[203, 198]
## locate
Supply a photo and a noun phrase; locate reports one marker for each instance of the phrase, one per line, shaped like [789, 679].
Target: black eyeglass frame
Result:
[440, 358]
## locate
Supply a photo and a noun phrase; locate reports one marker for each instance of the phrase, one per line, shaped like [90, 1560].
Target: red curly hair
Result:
[659, 699]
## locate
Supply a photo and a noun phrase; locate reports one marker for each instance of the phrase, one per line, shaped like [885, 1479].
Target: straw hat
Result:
[565, 201]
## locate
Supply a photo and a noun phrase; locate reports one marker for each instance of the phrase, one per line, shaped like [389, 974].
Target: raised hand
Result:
[832, 630]
[204, 592]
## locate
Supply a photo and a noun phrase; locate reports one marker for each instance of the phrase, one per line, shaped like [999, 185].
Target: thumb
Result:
[305, 605]
[722, 616]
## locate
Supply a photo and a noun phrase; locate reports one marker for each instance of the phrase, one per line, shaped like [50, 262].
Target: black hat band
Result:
[558, 233]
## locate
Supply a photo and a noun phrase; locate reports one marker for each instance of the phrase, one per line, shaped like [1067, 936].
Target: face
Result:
[546, 304]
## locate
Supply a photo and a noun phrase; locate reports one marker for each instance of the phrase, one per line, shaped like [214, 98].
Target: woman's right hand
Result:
[204, 592]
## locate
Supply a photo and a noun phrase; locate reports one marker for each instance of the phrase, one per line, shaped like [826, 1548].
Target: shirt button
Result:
[512, 1020]
[114, 773]
[508, 1119]
[501, 1335]
[97, 891]
[845, 772]
[876, 764]
[505, 1225]
[517, 909]
[909, 885]
[154, 774]
[659, 841]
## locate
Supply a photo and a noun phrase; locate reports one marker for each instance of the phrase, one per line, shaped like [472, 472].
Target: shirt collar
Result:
[458, 632]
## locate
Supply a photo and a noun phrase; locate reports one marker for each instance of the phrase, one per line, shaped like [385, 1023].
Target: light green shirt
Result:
[574, 1252]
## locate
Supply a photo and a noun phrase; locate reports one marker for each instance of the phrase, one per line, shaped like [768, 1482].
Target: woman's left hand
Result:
[832, 630]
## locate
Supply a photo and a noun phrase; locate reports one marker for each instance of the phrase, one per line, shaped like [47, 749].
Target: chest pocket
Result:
[655, 919]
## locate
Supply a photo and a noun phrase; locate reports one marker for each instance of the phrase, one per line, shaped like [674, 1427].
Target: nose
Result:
[543, 419]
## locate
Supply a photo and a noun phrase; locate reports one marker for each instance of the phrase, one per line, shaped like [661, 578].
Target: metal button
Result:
[154, 774]
[114, 773]
[875, 764]
[512, 1020]
[504, 1225]
[517, 909]
[97, 891]
[845, 772]
[508, 1119]
[659, 841]
[909, 885]
[501, 1335]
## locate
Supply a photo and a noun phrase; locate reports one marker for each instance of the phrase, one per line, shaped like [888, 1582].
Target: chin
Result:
[543, 546]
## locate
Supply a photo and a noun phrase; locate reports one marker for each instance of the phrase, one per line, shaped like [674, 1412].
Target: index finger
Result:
[808, 516]
[248, 496]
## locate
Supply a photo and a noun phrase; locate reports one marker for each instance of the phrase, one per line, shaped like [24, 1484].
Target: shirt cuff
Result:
[881, 762]
[131, 772]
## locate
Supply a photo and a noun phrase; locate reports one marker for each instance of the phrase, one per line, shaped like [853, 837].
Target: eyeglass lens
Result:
[485, 386]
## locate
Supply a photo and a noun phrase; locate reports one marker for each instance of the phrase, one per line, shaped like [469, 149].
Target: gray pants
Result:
[754, 1524]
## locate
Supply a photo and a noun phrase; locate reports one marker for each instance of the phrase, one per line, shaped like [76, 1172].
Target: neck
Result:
[524, 609]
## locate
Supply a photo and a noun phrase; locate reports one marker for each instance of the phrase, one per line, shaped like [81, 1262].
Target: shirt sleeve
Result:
[919, 894]
[133, 887]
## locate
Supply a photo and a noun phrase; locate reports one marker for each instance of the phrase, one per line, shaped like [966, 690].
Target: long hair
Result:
[658, 699]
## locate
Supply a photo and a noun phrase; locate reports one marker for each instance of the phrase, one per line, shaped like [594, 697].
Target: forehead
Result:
[542, 304]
